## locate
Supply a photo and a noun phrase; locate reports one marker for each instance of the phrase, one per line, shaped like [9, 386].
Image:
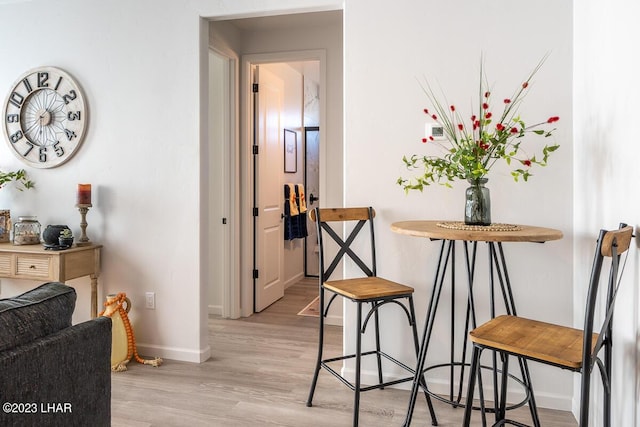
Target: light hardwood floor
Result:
[259, 375]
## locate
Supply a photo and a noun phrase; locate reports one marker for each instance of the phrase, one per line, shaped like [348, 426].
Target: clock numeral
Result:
[16, 136]
[71, 115]
[70, 96]
[28, 149]
[27, 85]
[13, 118]
[43, 155]
[43, 76]
[70, 134]
[16, 99]
[58, 83]
[57, 148]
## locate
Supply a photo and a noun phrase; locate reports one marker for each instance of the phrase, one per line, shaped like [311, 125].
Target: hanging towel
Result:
[301, 229]
[302, 203]
[290, 199]
[290, 212]
[295, 212]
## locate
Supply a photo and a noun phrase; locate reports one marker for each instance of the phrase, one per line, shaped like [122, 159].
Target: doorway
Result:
[285, 99]
[291, 35]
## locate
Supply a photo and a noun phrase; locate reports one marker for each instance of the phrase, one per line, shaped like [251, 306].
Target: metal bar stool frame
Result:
[391, 293]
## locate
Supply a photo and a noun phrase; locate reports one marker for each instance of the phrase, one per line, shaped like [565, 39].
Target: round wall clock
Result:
[45, 117]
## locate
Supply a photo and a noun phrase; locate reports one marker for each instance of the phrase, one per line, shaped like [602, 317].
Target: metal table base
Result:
[498, 281]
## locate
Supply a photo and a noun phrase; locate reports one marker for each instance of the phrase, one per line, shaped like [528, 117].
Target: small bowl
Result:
[65, 241]
[51, 233]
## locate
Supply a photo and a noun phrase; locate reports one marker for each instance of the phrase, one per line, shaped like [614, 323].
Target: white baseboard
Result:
[293, 280]
[215, 309]
[173, 353]
[333, 320]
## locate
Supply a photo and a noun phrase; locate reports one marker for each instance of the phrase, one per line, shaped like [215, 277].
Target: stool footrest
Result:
[325, 364]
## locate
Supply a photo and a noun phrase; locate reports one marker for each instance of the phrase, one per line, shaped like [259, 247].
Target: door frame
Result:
[229, 285]
[305, 130]
[244, 191]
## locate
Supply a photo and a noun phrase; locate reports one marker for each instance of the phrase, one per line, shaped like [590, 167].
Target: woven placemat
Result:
[460, 225]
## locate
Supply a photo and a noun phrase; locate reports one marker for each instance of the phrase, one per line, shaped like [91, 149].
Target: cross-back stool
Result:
[564, 347]
[368, 290]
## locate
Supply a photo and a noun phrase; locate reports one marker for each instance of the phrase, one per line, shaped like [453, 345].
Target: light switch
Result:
[434, 131]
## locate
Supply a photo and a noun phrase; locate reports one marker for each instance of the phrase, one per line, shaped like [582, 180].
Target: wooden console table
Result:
[34, 262]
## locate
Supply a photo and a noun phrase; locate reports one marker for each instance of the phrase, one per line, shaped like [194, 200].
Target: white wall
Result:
[144, 78]
[138, 65]
[387, 48]
[606, 176]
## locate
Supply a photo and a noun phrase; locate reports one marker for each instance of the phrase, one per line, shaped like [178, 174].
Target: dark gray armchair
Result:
[51, 372]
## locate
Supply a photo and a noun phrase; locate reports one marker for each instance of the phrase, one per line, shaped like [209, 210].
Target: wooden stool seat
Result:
[368, 288]
[545, 342]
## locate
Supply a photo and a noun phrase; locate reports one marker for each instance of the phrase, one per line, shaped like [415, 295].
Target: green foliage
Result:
[474, 145]
[19, 177]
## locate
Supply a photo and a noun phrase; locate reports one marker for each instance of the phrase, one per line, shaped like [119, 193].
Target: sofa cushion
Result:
[35, 314]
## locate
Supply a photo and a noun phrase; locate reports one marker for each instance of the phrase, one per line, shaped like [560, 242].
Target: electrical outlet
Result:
[150, 300]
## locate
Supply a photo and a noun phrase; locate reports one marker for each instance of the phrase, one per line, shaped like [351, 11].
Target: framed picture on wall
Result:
[5, 225]
[290, 151]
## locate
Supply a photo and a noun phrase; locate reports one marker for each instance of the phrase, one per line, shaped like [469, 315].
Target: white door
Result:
[269, 162]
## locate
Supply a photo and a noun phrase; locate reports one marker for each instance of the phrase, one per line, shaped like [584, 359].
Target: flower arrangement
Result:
[474, 145]
[19, 176]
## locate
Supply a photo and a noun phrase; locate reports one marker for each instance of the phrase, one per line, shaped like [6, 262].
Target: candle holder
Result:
[84, 209]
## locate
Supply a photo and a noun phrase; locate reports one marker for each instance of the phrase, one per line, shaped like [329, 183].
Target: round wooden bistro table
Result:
[450, 232]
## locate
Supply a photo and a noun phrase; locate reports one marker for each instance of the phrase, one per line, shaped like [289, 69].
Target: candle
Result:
[84, 194]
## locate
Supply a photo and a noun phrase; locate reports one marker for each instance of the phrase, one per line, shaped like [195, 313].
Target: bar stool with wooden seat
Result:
[370, 289]
[567, 348]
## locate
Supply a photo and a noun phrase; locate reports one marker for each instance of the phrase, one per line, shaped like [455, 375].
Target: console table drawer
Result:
[35, 266]
[5, 264]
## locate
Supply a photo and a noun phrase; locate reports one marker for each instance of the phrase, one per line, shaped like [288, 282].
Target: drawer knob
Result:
[32, 266]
